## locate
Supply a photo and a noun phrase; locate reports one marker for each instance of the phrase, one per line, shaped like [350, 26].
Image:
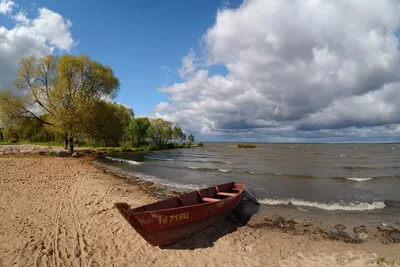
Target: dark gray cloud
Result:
[293, 67]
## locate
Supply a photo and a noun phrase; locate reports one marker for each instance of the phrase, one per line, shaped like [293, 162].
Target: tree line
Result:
[68, 99]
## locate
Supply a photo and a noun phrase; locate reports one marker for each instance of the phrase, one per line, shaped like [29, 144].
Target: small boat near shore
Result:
[174, 219]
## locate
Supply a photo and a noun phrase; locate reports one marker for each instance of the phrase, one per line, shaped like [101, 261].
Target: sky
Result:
[252, 70]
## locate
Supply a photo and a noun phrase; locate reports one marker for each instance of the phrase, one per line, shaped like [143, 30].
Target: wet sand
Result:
[58, 211]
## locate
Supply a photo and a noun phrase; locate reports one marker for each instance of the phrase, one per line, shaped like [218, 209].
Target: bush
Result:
[126, 145]
[79, 142]
[151, 147]
[170, 146]
[189, 144]
[10, 135]
[246, 146]
[12, 140]
[200, 145]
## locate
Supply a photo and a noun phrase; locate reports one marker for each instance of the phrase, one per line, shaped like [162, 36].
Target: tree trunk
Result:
[71, 144]
[65, 141]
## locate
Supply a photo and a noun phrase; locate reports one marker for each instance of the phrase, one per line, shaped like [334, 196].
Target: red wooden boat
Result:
[171, 220]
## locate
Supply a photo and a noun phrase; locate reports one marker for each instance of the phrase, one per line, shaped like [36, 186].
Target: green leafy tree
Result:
[64, 87]
[191, 138]
[177, 133]
[159, 131]
[10, 134]
[34, 130]
[137, 130]
[107, 123]
[183, 137]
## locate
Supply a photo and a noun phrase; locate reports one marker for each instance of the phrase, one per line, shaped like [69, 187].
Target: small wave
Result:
[297, 176]
[342, 155]
[281, 174]
[165, 182]
[193, 168]
[363, 179]
[154, 158]
[359, 168]
[217, 162]
[352, 206]
[302, 209]
[123, 160]
[206, 161]
[359, 179]
[201, 169]
[207, 169]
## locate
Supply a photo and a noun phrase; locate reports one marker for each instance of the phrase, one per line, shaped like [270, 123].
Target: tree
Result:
[108, 123]
[160, 131]
[66, 88]
[10, 134]
[137, 130]
[34, 130]
[177, 134]
[191, 138]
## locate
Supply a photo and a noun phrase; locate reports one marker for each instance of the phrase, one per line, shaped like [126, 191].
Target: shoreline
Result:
[280, 218]
[43, 194]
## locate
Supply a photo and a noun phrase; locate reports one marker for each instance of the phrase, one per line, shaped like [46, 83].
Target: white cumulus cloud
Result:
[31, 37]
[6, 6]
[21, 18]
[293, 66]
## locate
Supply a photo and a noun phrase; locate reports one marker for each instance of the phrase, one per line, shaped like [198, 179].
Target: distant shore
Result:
[61, 211]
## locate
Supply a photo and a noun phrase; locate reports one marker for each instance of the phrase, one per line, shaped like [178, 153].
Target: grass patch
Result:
[382, 261]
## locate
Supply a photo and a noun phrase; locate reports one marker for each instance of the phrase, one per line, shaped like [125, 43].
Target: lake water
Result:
[327, 177]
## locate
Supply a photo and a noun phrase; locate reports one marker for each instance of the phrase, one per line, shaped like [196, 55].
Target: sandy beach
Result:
[59, 211]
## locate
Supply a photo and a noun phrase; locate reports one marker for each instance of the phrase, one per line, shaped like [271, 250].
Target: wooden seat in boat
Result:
[210, 199]
[226, 194]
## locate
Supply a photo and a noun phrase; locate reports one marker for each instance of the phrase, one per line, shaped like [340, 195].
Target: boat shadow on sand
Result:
[238, 218]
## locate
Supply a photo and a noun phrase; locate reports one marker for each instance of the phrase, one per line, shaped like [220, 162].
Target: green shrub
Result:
[151, 147]
[170, 146]
[243, 146]
[382, 261]
[200, 145]
[12, 140]
[246, 146]
[10, 135]
[80, 142]
[126, 145]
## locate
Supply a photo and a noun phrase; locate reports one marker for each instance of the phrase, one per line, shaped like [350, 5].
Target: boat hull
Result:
[166, 226]
[178, 233]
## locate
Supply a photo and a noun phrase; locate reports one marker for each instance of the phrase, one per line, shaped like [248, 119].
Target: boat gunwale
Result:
[180, 207]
